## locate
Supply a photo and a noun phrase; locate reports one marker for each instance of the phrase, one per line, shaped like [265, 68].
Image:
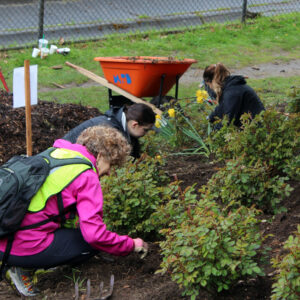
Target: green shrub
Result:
[294, 101]
[287, 285]
[260, 159]
[209, 247]
[167, 213]
[219, 141]
[248, 185]
[292, 168]
[152, 144]
[271, 138]
[133, 193]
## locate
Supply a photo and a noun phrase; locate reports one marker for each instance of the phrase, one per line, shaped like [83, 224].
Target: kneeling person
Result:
[133, 122]
[52, 244]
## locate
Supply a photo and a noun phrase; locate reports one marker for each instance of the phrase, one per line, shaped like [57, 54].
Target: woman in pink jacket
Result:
[51, 245]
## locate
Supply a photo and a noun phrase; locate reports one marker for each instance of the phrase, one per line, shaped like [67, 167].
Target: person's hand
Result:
[140, 247]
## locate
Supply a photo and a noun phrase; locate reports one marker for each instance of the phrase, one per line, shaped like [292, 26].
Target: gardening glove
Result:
[140, 247]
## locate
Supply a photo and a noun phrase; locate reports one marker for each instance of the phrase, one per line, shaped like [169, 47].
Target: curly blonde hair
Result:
[106, 141]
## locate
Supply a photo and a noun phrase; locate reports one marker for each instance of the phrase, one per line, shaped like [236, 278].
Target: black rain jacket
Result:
[236, 99]
[112, 118]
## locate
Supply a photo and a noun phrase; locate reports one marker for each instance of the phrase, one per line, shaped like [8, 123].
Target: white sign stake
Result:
[28, 107]
[19, 86]
[25, 94]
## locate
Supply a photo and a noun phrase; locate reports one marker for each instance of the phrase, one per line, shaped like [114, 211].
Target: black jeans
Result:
[68, 247]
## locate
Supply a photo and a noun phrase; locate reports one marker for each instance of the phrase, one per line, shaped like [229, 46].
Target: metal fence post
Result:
[244, 12]
[41, 19]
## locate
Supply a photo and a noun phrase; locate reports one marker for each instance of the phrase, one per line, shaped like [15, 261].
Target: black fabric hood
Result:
[115, 113]
[234, 80]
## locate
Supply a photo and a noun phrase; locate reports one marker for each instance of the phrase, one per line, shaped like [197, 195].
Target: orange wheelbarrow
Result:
[143, 76]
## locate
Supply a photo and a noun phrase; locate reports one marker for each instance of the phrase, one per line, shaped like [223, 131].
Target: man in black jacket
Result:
[133, 122]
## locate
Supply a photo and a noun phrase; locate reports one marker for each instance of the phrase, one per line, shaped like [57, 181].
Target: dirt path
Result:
[275, 69]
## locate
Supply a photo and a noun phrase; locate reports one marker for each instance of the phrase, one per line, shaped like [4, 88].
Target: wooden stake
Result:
[28, 107]
[115, 88]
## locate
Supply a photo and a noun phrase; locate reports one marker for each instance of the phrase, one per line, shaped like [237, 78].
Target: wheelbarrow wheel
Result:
[166, 103]
[165, 100]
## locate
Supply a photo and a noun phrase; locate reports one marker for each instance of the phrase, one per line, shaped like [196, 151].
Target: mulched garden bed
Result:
[50, 121]
[134, 278]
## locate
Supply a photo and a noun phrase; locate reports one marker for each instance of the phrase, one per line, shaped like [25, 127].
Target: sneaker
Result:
[20, 278]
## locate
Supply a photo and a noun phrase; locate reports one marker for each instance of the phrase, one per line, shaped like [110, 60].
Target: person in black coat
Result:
[133, 122]
[233, 95]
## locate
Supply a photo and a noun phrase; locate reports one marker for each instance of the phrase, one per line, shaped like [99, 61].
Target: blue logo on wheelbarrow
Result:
[122, 78]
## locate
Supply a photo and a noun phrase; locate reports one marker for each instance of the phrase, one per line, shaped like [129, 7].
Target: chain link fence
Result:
[23, 22]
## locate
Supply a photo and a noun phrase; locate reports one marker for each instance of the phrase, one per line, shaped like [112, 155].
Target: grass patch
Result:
[262, 40]
[95, 96]
[274, 90]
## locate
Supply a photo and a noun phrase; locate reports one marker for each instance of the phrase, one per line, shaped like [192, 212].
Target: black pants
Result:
[68, 247]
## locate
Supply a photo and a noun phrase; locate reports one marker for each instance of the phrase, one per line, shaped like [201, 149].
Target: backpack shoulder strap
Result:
[58, 162]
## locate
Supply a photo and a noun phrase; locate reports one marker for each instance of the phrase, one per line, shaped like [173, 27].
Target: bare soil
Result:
[135, 279]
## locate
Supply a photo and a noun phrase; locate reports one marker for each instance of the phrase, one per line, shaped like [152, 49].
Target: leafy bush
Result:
[207, 246]
[168, 213]
[287, 285]
[292, 168]
[133, 193]
[294, 101]
[152, 145]
[260, 159]
[271, 138]
[248, 185]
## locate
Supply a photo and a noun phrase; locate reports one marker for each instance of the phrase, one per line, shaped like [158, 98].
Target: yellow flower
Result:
[199, 93]
[158, 157]
[171, 112]
[157, 123]
[201, 96]
[205, 94]
[158, 117]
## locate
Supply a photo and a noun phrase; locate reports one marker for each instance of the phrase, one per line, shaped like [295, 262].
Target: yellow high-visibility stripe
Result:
[58, 179]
